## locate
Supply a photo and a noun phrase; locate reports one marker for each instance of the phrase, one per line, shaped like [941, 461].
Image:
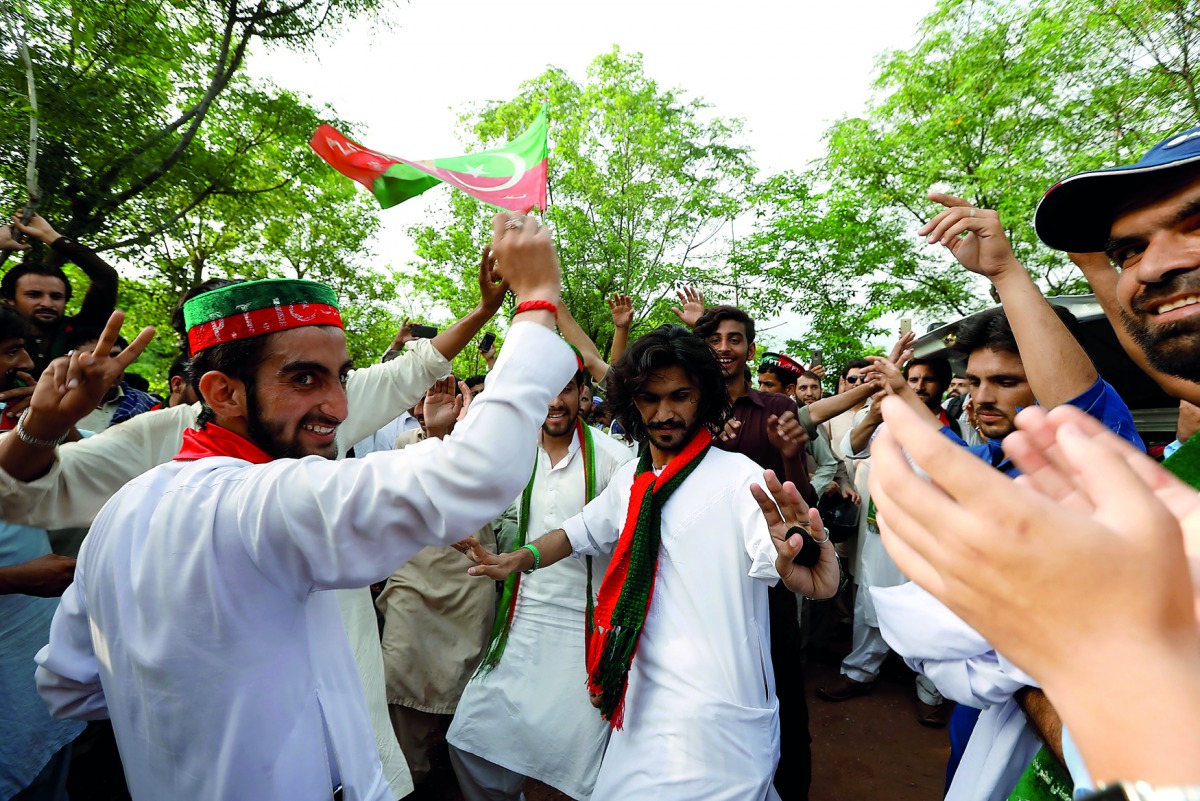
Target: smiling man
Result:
[243, 673]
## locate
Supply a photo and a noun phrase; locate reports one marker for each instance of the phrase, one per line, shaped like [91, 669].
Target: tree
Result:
[642, 182]
[158, 149]
[998, 99]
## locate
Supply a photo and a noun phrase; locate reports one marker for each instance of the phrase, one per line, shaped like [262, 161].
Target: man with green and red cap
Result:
[198, 620]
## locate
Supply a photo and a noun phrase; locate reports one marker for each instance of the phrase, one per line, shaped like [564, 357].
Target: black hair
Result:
[665, 347]
[12, 324]
[713, 316]
[475, 380]
[199, 289]
[179, 368]
[810, 374]
[853, 364]
[237, 359]
[85, 334]
[990, 329]
[137, 381]
[8, 284]
[786, 377]
[942, 372]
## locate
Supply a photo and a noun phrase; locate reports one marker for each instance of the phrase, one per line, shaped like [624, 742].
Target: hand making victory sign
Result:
[73, 385]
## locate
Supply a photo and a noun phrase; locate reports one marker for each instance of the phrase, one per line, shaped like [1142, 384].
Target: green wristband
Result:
[537, 559]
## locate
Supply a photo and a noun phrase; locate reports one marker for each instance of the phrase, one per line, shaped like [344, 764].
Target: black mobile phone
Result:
[424, 331]
[817, 359]
[486, 343]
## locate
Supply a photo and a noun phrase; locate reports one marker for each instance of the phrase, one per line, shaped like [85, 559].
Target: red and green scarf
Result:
[629, 584]
[508, 598]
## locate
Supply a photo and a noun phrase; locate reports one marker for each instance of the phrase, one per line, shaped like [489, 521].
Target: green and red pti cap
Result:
[254, 308]
[1077, 213]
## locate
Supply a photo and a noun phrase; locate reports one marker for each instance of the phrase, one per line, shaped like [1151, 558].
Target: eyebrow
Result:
[312, 367]
[1188, 211]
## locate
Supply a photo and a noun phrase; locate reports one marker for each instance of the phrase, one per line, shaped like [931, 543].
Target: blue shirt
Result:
[1100, 401]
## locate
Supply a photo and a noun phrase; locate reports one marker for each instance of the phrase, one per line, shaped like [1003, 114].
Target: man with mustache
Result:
[40, 291]
[536, 661]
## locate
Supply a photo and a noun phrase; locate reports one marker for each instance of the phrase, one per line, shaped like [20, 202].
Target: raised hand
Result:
[621, 308]
[784, 509]
[73, 385]
[467, 396]
[975, 236]
[886, 374]
[522, 254]
[8, 240]
[492, 288]
[902, 350]
[691, 306]
[442, 407]
[786, 434]
[403, 336]
[36, 227]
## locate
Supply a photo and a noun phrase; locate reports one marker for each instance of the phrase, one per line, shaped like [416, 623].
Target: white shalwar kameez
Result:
[197, 621]
[701, 716]
[531, 714]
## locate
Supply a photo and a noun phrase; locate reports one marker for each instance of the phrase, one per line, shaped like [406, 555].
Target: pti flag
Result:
[512, 177]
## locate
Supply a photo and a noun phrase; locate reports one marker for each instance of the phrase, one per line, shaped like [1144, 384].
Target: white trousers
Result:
[481, 780]
[869, 651]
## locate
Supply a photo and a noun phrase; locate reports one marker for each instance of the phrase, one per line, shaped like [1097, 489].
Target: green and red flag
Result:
[512, 177]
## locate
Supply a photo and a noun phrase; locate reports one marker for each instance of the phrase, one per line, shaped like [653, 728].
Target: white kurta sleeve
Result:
[67, 675]
[85, 474]
[378, 394]
[756, 535]
[316, 524]
[596, 529]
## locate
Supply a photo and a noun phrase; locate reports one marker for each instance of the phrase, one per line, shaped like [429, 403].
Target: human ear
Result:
[224, 394]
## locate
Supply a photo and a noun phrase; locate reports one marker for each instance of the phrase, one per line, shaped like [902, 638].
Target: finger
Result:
[1125, 502]
[769, 509]
[136, 348]
[949, 201]
[15, 408]
[75, 369]
[108, 337]
[910, 561]
[962, 226]
[498, 230]
[1040, 474]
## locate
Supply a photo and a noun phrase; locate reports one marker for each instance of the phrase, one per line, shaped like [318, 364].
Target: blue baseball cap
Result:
[1077, 213]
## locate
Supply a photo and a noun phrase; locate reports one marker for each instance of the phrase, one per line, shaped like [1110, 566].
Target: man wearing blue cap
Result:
[1145, 217]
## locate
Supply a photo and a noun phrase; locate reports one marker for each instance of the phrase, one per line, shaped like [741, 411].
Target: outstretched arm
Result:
[552, 547]
[1058, 368]
[491, 295]
[593, 362]
[622, 316]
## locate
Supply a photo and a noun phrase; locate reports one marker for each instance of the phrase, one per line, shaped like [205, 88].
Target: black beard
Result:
[270, 437]
[688, 434]
[1170, 348]
[570, 419]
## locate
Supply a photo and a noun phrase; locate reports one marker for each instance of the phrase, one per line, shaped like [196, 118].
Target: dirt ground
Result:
[869, 747]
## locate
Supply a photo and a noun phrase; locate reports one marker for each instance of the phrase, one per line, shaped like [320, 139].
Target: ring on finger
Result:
[512, 222]
[974, 212]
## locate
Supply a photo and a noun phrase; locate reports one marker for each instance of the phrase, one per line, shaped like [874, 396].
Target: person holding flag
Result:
[680, 662]
[536, 659]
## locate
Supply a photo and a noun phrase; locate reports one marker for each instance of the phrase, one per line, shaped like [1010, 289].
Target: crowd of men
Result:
[293, 579]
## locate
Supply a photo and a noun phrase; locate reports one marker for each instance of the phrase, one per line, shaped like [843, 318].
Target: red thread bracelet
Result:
[535, 305]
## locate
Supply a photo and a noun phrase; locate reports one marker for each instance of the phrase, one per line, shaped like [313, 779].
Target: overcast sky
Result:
[787, 68]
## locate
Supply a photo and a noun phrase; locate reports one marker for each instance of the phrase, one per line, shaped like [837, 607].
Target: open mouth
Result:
[1190, 300]
[320, 431]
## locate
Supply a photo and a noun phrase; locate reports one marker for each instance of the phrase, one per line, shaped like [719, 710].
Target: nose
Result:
[1167, 254]
[982, 394]
[334, 403]
[24, 362]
